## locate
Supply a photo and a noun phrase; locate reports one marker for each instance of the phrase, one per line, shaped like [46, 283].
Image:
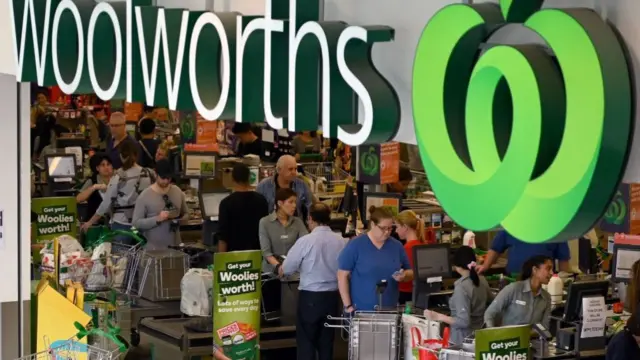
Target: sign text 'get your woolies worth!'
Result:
[223, 65]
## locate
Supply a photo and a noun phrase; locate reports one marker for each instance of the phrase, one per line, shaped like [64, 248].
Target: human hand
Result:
[84, 227]
[432, 315]
[99, 187]
[399, 275]
[349, 310]
[280, 272]
[163, 216]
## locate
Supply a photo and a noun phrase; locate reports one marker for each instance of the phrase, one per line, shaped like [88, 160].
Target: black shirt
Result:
[148, 160]
[238, 221]
[623, 346]
[253, 148]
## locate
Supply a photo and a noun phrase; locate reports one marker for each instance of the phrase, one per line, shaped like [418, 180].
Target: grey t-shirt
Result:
[149, 204]
[276, 238]
[301, 147]
[122, 188]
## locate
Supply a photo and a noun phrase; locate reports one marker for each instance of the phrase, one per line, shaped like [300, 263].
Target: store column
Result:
[15, 202]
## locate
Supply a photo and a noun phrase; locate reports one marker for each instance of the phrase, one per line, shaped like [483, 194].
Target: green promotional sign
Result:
[503, 343]
[55, 216]
[236, 303]
[513, 136]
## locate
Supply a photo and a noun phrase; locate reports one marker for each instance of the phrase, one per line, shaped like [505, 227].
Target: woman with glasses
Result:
[159, 210]
[371, 263]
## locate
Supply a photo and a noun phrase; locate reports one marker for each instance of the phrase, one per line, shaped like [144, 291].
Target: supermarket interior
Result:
[474, 198]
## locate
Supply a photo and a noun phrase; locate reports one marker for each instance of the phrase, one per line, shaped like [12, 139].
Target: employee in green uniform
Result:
[525, 301]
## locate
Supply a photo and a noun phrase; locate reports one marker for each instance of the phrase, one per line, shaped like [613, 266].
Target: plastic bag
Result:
[197, 288]
[416, 331]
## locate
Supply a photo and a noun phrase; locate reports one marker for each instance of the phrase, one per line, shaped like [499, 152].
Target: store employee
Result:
[525, 301]
[520, 251]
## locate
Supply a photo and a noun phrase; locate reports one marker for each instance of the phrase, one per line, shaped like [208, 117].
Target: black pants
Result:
[404, 297]
[272, 296]
[315, 341]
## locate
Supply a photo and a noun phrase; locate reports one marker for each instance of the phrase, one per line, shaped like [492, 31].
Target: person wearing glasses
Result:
[159, 209]
[373, 262]
[118, 126]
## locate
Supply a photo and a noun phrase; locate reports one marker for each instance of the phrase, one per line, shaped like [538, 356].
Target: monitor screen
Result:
[210, 206]
[625, 258]
[432, 261]
[61, 166]
[200, 165]
[131, 129]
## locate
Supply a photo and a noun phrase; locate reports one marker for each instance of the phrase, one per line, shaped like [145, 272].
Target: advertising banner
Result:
[379, 164]
[236, 303]
[503, 343]
[55, 216]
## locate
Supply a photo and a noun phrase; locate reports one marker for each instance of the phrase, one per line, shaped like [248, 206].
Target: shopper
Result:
[315, 257]
[278, 232]
[93, 190]
[625, 345]
[471, 294]
[633, 290]
[250, 143]
[520, 251]
[409, 228]
[240, 214]
[525, 301]
[159, 209]
[123, 191]
[405, 177]
[117, 124]
[286, 177]
[148, 142]
[308, 142]
[370, 262]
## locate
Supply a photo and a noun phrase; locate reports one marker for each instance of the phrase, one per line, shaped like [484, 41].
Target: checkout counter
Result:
[578, 323]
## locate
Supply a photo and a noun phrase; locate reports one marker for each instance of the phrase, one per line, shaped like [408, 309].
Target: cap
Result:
[164, 169]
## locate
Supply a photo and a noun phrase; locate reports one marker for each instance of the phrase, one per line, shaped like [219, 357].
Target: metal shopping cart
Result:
[73, 349]
[328, 179]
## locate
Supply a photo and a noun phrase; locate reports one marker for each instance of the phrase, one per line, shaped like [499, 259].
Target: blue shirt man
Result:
[287, 176]
[520, 252]
[368, 265]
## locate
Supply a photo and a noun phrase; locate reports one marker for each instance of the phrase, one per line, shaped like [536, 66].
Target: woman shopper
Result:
[278, 232]
[373, 263]
[123, 191]
[525, 301]
[409, 228]
[471, 294]
[93, 190]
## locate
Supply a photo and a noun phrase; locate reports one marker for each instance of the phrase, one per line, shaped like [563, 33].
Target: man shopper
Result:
[520, 252]
[315, 257]
[148, 142]
[159, 209]
[240, 214]
[287, 177]
[118, 126]
[250, 143]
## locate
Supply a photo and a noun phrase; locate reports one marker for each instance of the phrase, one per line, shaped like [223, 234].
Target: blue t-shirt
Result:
[520, 251]
[368, 266]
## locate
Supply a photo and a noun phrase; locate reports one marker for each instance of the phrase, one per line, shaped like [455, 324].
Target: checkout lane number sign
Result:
[543, 142]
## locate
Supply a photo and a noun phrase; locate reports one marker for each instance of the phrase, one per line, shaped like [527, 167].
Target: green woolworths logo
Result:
[369, 162]
[514, 137]
[286, 68]
[617, 210]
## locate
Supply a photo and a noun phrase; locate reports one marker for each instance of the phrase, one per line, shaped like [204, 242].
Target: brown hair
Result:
[284, 194]
[633, 291]
[411, 220]
[377, 214]
[128, 154]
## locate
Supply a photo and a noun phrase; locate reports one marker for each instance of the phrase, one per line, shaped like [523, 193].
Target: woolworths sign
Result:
[287, 67]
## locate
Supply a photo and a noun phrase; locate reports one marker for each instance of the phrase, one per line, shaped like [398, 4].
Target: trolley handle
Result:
[113, 233]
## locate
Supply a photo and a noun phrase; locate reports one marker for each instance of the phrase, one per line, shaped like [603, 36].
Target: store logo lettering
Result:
[513, 138]
[286, 67]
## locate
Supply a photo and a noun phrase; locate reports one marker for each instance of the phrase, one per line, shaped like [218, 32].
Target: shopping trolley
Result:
[73, 349]
[328, 179]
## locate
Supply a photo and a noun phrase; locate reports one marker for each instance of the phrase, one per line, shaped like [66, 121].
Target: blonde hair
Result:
[411, 220]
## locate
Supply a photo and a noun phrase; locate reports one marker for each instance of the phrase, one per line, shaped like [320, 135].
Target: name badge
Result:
[284, 236]
[520, 302]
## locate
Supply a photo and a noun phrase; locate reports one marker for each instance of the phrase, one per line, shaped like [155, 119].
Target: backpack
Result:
[128, 190]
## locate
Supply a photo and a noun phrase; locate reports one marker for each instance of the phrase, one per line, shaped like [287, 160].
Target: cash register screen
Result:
[432, 261]
[61, 166]
[625, 257]
[210, 206]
